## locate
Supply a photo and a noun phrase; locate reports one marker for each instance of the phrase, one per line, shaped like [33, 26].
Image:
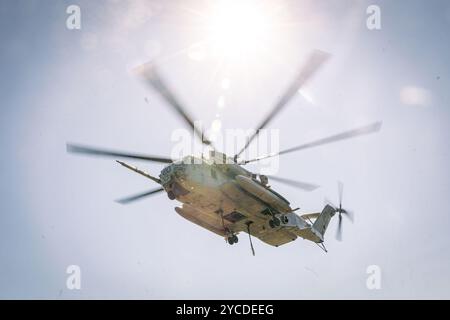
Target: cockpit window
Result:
[192, 160]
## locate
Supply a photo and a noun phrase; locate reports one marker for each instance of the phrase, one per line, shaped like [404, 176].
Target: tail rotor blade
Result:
[339, 229]
[341, 211]
[340, 192]
[349, 215]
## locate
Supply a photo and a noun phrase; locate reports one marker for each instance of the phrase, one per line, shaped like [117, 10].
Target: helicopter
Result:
[220, 195]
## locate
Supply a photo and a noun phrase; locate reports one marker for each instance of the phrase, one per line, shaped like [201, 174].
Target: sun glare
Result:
[237, 28]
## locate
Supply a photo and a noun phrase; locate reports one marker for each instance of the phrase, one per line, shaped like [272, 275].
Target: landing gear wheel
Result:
[232, 239]
[171, 195]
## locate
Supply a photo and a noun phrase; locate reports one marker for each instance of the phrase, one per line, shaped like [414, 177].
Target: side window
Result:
[213, 173]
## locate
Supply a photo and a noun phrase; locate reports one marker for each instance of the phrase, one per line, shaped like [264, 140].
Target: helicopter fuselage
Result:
[227, 199]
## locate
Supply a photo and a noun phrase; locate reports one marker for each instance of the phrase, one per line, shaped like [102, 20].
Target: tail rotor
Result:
[340, 211]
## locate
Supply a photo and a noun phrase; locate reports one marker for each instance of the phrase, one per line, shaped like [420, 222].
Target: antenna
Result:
[248, 223]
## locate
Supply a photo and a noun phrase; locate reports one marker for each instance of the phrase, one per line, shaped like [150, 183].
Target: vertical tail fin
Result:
[321, 224]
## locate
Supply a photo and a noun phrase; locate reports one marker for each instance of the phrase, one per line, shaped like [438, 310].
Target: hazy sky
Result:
[59, 85]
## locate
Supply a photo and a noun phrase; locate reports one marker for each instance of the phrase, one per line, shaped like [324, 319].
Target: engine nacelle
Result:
[262, 193]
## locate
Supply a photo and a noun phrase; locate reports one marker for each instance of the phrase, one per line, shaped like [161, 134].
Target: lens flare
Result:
[237, 28]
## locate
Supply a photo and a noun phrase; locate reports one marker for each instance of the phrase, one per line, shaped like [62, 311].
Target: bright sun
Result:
[237, 28]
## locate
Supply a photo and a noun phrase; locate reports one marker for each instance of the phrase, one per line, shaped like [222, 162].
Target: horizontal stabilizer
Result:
[310, 216]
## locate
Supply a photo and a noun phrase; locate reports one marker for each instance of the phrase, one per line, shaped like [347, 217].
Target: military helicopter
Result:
[219, 194]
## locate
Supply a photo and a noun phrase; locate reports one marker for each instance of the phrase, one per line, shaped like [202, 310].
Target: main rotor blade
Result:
[117, 154]
[311, 66]
[149, 73]
[139, 196]
[371, 128]
[298, 184]
[141, 172]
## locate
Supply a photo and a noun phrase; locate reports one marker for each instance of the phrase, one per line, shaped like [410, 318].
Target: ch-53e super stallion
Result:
[220, 195]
